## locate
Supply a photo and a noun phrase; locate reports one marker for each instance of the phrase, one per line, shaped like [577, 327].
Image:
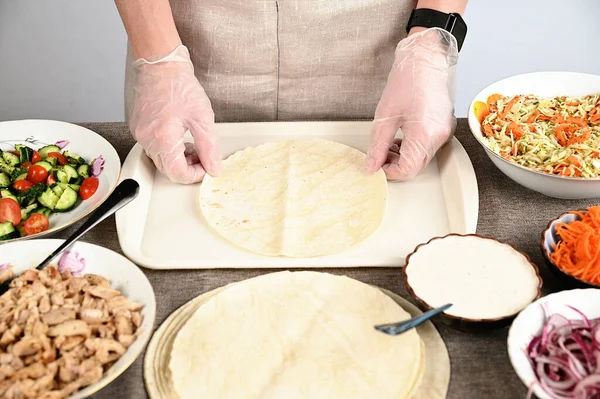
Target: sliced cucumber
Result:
[16, 173]
[25, 153]
[26, 211]
[46, 165]
[22, 176]
[31, 195]
[4, 180]
[7, 231]
[61, 176]
[27, 201]
[75, 187]
[48, 199]
[71, 173]
[42, 210]
[52, 161]
[84, 171]
[44, 151]
[67, 200]
[10, 158]
[5, 168]
[5, 193]
[58, 190]
[74, 159]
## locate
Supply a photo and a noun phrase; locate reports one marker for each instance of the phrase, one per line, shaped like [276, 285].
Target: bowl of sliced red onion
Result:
[554, 345]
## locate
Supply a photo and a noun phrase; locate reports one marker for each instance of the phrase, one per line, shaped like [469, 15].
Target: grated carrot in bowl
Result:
[578, 251]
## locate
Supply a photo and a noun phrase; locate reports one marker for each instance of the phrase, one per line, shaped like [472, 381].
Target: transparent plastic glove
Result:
[168, 101]
[417, 99]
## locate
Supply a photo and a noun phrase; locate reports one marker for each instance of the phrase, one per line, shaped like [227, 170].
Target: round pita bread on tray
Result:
[298, 198]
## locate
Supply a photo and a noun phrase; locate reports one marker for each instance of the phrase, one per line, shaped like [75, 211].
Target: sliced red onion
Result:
[583, 317]
[556, 394]
[596, 335]
[97, 166]
[587, 355]
[71, 261]
[584, 387]
[4, 266]
[563, 385]
[558, 320]
[565, 357]
[532, 348]
[62, 144]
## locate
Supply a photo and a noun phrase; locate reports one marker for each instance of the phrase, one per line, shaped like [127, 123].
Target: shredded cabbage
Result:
[558, 136]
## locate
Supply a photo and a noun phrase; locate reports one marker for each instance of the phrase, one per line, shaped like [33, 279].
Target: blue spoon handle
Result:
[403, 326]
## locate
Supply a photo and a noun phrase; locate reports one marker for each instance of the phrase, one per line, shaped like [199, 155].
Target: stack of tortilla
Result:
[301, 335]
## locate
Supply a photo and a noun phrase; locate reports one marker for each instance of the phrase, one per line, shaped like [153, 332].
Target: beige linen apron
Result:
[264, 60]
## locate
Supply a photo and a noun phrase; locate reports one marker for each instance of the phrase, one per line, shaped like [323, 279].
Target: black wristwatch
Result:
[428, 18]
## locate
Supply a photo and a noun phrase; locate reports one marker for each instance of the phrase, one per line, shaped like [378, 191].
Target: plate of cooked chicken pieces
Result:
[73, 327]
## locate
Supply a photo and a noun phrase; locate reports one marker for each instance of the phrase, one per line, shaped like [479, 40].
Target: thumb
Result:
[206, 145]
[382, 137]
[414, 157]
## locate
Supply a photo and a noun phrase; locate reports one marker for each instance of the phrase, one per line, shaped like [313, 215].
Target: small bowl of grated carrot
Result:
[571, 247]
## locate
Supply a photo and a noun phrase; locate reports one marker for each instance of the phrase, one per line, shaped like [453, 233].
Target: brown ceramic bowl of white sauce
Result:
[488, 282]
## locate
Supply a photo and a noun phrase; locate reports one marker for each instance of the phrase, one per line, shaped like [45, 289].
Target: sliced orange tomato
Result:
[481, 110]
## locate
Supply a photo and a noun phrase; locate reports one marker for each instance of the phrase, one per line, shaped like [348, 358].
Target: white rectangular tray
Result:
[164, 229]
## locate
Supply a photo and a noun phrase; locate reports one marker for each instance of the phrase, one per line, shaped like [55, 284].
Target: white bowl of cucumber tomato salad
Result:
[543, 131]
[52, 174]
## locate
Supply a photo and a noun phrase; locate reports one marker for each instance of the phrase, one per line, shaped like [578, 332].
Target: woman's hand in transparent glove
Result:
[168, 101]
[417, 99]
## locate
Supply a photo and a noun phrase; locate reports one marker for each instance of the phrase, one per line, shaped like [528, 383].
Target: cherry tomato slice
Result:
[10, 211]
[35, 224]
[61, 158]
[36, 157]
[22, 185]
[15, 153]
[26, 165]
[37, 174]
[50, 180]
[88, 187]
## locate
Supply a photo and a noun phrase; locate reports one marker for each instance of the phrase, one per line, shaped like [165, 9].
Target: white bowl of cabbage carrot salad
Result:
[543, 131]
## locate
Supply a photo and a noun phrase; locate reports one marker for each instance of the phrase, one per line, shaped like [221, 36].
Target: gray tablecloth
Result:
[480, 364]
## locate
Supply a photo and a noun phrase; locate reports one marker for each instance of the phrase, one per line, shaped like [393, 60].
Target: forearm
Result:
[447, 6]
[150, 27]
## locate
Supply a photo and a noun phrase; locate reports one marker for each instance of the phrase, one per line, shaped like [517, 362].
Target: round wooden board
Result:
[157, 375]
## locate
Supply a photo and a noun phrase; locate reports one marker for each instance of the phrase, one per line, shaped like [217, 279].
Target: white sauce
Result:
[482, 278]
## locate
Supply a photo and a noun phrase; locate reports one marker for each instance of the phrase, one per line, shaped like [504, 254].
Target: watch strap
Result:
[429, 18]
